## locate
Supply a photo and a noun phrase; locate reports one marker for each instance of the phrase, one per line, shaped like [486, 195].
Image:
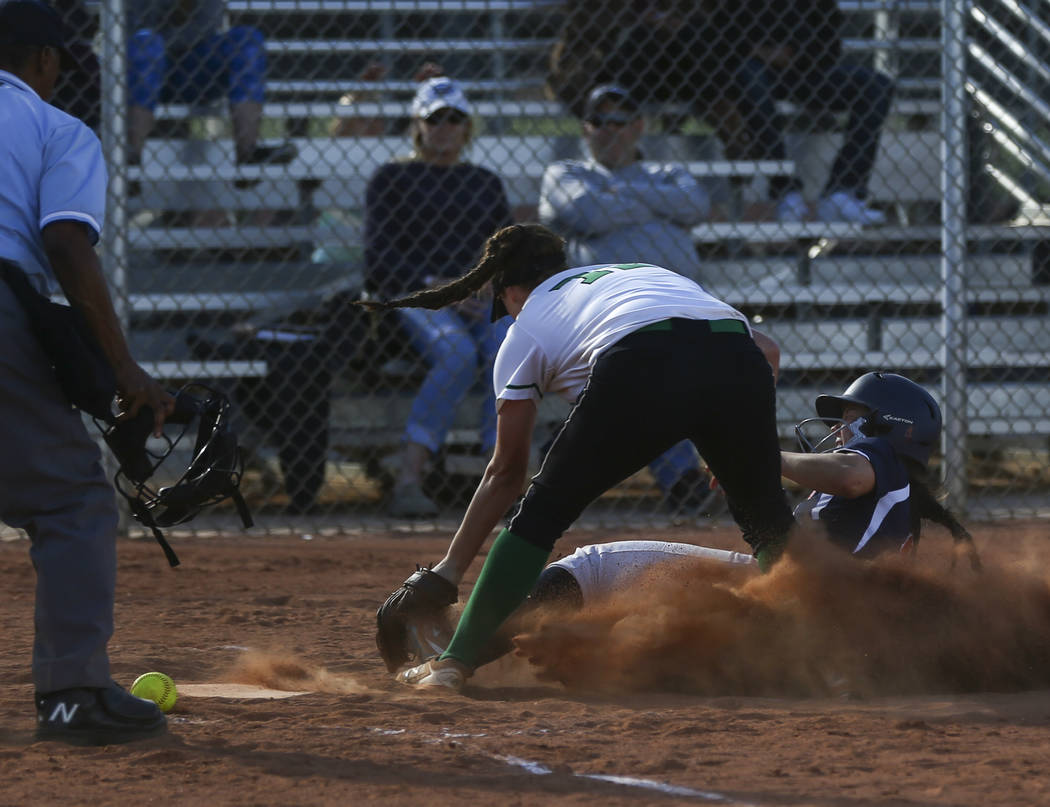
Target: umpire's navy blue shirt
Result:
[878, 521]
[51, 169]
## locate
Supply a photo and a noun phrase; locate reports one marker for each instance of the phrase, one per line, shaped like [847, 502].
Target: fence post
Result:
[953, 250]
[113, 133]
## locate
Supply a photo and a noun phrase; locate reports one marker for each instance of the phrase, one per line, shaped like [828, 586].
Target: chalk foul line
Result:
[627, 781]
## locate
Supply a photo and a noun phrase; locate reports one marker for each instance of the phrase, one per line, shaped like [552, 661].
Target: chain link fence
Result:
[864, 179]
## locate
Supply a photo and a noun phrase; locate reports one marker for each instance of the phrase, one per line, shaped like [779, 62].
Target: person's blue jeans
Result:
[865, 94]
[669, 467]
[233, 62]
[454, 348]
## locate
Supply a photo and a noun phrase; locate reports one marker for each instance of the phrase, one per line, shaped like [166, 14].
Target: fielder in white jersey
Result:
[576, 314]
[650, 359]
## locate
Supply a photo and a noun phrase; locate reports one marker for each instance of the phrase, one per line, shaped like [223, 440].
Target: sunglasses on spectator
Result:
[598, 121]
[446, 115]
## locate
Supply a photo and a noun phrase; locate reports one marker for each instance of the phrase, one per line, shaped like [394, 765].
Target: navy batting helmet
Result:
[899, 410]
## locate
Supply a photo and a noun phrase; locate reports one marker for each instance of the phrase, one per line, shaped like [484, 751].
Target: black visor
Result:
[33, 22]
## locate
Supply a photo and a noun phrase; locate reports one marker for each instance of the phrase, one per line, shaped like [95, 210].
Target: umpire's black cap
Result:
[33, 22]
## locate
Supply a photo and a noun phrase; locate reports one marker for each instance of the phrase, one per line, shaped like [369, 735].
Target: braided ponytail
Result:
[522, 254]
[924, 506]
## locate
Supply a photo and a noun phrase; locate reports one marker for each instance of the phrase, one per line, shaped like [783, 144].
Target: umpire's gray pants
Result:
[52, 486]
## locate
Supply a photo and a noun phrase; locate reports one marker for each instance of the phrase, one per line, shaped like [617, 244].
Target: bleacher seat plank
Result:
[385, 6]
[370, 109]
[776, 294]
[403, 46]
[167, 370]
[339, 86]
[898, 44]
[218, 237]
[486, 109]
[891, 6]
[192, 302]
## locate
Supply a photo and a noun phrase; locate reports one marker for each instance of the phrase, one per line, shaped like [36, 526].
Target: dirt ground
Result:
[817, 684]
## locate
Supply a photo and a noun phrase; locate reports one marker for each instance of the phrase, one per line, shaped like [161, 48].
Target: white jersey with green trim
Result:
[570, 318]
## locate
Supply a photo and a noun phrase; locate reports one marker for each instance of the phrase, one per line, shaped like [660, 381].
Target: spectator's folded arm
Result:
[672, 193]
[583, 201]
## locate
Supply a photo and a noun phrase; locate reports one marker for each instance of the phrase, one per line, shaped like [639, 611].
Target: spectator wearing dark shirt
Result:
[426, 219]
[793, 50]
[79, 89]
[677, 52]
[179, 53]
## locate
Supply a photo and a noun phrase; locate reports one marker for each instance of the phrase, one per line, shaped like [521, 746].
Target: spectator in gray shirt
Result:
[614, 206]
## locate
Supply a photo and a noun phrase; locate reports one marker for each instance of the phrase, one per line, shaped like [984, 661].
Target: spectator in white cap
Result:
[438, 101]
[426, 219]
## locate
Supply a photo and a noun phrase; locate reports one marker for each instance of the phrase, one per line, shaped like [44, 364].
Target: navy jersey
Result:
[877, 522]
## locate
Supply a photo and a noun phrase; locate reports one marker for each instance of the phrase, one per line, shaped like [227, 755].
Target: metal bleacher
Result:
[838, 299]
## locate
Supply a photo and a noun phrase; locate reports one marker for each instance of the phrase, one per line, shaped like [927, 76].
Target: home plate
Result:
[243, 691]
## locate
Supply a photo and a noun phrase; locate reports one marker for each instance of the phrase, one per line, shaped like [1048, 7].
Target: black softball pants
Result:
[647, 392]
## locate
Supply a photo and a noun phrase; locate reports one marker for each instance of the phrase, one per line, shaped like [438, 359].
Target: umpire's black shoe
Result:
[97, 716]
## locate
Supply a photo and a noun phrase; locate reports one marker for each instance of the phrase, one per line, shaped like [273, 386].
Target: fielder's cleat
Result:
[447, 673]
[428, 640]
[769, 553]
[97, 716]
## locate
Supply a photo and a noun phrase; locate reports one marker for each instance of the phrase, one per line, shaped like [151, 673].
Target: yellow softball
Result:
[156, 687]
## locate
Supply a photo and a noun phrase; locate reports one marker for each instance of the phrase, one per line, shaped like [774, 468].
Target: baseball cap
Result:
[609, 92]
[439, 93]
[33, 22]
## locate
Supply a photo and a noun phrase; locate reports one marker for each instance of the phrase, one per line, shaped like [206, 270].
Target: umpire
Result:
[52, 205]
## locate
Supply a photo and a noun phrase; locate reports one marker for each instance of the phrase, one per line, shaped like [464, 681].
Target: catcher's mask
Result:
[213, 475]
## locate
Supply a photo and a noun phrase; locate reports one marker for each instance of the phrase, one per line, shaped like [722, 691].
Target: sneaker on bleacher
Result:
[270, 155]
[792, 208]
[409, 501]
[843, 206]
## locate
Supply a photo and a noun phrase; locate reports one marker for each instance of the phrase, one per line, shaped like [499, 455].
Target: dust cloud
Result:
[282, 671]
[820, 624]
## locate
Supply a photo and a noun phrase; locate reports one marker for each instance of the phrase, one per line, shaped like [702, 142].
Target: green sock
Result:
[509, 573]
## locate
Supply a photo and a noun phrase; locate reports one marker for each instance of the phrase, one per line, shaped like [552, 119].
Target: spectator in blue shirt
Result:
[426, 219]
[52, 207]
[179, 54]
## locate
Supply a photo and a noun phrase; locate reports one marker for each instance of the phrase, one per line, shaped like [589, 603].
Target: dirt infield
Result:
[816, 685]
